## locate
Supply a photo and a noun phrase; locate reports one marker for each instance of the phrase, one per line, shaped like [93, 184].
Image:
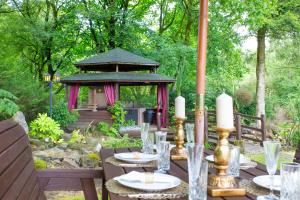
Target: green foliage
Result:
[7, 105]
[40, 164]
[123, 142]
[76, 137]
[94, 156]
[45, 127]
[118, 116]
[61, 114]
[107, 130]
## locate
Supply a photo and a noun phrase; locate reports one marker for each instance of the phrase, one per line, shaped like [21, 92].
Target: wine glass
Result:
[271, 150]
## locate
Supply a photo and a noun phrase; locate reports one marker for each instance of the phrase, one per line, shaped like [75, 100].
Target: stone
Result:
[20, 118]
[69, 163]
[52, 153]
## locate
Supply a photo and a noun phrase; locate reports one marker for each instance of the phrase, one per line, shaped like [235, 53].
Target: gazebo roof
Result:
[108, 61]
[117, 77]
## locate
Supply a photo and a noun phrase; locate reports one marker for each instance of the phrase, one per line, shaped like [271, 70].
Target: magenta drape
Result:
[162, 102]
[73, 96]
[109, 90]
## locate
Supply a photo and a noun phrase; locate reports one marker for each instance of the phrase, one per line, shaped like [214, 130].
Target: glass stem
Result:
[271, 185]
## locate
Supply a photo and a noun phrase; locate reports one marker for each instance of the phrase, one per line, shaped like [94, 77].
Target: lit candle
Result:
[180, 107]
[224, 111]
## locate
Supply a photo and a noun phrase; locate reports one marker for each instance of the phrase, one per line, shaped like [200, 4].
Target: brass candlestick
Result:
[221, 184]
[178, 152]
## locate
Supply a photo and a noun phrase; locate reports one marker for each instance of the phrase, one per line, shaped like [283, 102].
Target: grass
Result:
[260, 158]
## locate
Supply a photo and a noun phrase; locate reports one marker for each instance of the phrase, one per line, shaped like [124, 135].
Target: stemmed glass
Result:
[271, 150]
[189, 129]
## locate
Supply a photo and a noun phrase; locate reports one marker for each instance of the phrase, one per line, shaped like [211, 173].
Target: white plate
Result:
[243, 160]
[135, 157]
[265, 181]
[157, 185]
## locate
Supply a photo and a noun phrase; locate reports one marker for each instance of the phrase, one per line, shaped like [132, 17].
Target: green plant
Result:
[7, 105]
[107, 130]
[76, 137]
[123, 142]
[94, 156]
[118, 115]
[40, 164]
[45, 127]
[61, 114]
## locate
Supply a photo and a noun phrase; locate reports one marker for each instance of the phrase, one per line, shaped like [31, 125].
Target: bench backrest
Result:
[18, 177]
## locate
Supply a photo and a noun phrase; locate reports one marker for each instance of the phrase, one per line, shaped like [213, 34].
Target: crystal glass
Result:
[160, 136]
[203, 181]
[195, 153]
[163, 161]
[234, 162]
[290, 181]
[144, 133]
[148, 143]
[271, 150]
[189, 129]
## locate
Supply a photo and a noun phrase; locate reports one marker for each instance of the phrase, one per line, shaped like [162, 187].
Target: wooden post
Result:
[117, 86]
[167, 114]
[238, 127]
[94, 99]
[158, 120]
[263, 129]
[201, 65]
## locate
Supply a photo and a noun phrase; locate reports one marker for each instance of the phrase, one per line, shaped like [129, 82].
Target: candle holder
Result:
[178, 152]
[220, 184]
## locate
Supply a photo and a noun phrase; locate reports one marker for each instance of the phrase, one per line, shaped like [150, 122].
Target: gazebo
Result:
[104, 74]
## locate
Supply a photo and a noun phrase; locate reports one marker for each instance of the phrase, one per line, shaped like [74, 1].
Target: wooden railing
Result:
[239, 121]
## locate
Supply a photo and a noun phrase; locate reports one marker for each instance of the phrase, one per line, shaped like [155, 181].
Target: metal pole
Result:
[51, 86]
[201, 65]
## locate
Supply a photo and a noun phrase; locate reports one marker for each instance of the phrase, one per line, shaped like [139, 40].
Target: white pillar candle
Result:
[180, 107]
[224, 111]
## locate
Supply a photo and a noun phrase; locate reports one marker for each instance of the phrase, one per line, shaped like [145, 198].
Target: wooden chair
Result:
[20, 180]
[297, 154]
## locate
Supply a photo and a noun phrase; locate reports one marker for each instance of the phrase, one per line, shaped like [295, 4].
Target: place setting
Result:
[148, 185]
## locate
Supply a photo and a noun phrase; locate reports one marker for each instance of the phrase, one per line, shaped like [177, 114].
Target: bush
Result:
[123, 142]
[8, 108]
[76, 137]
[107, 130]
[61, 114]
[45, 127]
[40, 164]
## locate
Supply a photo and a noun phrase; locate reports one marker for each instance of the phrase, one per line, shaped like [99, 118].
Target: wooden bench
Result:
[297, 154]
[20, 180]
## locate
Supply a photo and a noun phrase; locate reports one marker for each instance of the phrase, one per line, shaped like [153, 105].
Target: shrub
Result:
[7, 105]
[40, 164]
[45, 127]
[107, 130]
[76, 137]
[123, 142]
[61, 114]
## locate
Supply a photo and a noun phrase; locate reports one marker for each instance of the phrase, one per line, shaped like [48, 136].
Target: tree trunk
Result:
[260, 72]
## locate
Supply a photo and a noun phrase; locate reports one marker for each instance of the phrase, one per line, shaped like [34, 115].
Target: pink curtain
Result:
[162, 102]
[73, 96]
[109, 90]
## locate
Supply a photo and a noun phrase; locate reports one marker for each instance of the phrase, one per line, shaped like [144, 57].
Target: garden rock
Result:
[69, 163]
[53, 153]
[20, 118]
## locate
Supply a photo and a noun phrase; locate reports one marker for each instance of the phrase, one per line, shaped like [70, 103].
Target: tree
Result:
[274, 19]
[49, 32]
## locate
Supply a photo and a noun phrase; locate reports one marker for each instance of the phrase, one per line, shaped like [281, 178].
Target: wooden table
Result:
[178, 169]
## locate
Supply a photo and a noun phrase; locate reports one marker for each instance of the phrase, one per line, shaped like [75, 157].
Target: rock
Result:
[53, 153]
[20, 118]
[69, 163]
[35, 142]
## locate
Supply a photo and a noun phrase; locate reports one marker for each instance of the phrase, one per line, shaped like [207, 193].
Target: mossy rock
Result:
[40, 164]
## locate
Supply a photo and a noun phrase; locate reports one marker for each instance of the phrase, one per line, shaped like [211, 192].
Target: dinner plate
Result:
[265, 181]
[136, 180]
[243, 160]
[135, 157]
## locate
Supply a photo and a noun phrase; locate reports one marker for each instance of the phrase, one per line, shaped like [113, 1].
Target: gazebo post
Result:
[201, 65]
